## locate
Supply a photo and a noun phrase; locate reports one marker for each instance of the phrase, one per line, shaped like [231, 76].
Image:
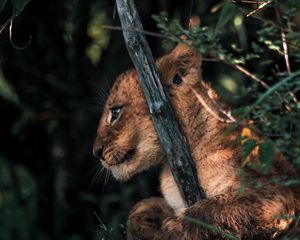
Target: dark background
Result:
[52, 183]
[52, 92]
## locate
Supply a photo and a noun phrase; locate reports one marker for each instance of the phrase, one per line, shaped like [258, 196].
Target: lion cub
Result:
[127, 143]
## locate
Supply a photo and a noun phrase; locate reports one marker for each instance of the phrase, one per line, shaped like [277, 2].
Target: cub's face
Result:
[126, 141]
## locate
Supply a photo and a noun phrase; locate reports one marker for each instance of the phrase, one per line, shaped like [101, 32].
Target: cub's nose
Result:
[98, 151]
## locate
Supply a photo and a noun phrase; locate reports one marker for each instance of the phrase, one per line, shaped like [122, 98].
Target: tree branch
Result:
[163, 117]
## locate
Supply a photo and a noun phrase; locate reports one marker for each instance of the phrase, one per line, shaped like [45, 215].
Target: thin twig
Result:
[213, 108]
[4, 25]
[265, 85]
[134, 30]
[190, 11]
[263, 5]
[115, 10]
[283, 39]
[11, 40]
[103, 227]
[256, 79]
[285, 51]
[285, 47]
[241, 69]
[258, 17]
[250, 75]
[210, 60]
[247, 1]
[261, 19]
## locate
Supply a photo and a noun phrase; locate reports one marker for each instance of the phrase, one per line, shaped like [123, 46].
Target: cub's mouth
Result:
[128, 156]
[117, 160]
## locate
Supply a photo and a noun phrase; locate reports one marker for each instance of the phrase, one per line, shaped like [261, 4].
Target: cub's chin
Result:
[135, 162]
[125, 169]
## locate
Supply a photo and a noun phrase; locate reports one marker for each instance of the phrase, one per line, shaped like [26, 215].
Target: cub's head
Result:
[126, 141]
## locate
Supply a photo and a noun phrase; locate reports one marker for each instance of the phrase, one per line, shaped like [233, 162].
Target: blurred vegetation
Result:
[56, 66]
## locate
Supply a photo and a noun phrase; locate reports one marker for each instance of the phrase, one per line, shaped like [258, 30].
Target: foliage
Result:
[17, 6]
[17, 205]
[276, 112]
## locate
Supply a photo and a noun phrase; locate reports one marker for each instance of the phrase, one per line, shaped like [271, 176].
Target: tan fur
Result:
[233, 204]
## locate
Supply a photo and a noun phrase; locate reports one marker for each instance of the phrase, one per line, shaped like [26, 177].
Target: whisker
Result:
[93, 170]
[107, 84]
[107, 174]
[99, 173]
[96, 179]
[93, 108]
[95, 88]
[96, 100]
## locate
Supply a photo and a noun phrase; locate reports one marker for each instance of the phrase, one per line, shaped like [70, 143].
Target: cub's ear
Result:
[185, 58]
[180, 61]
[184, 61]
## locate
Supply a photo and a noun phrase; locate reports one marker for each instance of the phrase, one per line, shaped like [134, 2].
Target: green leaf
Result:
[227, 13]
[18, 6]
[7, 91]
[2, 4]
[22, 122]
[248, 147]
[266, 156]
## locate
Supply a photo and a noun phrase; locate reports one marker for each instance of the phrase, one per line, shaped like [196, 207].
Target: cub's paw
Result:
[146, 217]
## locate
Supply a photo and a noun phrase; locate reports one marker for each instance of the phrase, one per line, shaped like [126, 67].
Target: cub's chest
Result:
[170, 190]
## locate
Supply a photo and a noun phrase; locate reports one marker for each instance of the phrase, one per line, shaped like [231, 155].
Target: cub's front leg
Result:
[146, 218]
[255, 214]
[252, 215]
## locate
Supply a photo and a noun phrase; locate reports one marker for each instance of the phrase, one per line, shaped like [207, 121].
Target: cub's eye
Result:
[115, 113]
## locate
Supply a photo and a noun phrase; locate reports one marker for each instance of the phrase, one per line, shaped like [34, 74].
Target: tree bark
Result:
[163, 117]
